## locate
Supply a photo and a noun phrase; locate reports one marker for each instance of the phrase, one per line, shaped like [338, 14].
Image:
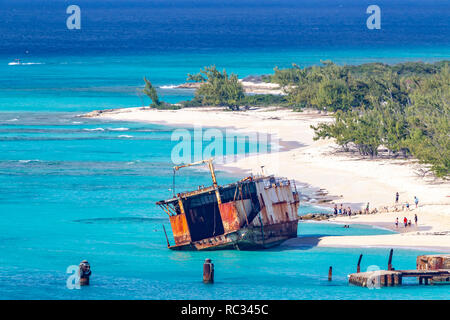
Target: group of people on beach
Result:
[406, 204]
[348, 211]
[407, 223]
[342, 211]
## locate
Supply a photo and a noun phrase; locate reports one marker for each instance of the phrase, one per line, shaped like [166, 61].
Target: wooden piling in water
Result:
[330, 274]
[358, 267]
[85, 272]
[208, 271]
[390, 260]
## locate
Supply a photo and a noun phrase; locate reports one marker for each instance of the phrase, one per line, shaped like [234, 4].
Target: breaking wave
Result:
[23, 63]
[29, 161]
[118, 129]
[95, 129]
[172, 86]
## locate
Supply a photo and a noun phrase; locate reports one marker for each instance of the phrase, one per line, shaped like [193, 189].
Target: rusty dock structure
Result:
[256, 212]
[431, 269]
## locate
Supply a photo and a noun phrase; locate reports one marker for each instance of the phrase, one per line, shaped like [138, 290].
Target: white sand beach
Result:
[347, 178]
[250, 87]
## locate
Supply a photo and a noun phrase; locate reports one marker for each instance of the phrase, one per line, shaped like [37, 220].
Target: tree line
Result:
[402, 107]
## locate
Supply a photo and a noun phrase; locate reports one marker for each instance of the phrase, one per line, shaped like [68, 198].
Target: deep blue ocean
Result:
[74, 188]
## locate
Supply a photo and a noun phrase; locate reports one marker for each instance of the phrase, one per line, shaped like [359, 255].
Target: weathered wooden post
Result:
[390, 260]
[330, 274]
[358, 267]
[85, 272]
[208, 271]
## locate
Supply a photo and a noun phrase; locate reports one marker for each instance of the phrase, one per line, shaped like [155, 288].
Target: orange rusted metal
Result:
[180, 229]
[229, 215]
[180, 204]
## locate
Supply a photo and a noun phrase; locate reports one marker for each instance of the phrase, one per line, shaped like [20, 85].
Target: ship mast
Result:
[211, 169]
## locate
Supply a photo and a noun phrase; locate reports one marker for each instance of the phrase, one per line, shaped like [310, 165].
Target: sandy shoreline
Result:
[250, 87]
[348, 179]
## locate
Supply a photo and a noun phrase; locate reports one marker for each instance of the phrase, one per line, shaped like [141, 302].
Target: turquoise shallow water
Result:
[69, 193]
[73, 189]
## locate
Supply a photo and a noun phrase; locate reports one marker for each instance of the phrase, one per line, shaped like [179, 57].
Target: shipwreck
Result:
[256, 212]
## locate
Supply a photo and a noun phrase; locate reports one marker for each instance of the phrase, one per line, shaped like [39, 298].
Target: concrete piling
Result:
[208, 271]
[389, 279]
[395, 277]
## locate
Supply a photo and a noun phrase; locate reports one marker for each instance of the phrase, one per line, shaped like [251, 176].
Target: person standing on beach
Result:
[340, 209]
[396, 223]
[416, 201]
[405, 221]
[367, 208]
[407, 206]
[396, 197]
[335, 210]
[415, 219]
[349, 211]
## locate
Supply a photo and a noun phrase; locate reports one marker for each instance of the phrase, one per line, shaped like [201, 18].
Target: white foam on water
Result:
[29, 161]
[125, 136]
[23, 63]
[172, 86]
[118, 129]
[96, 129]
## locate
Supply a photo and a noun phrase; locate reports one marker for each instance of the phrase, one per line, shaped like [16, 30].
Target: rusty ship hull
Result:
[254, 213]
[247, 238]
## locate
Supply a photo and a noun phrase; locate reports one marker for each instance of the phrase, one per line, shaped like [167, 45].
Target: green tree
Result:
[404, 108]
[150, 91]
[429, 122]
[218, 88]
